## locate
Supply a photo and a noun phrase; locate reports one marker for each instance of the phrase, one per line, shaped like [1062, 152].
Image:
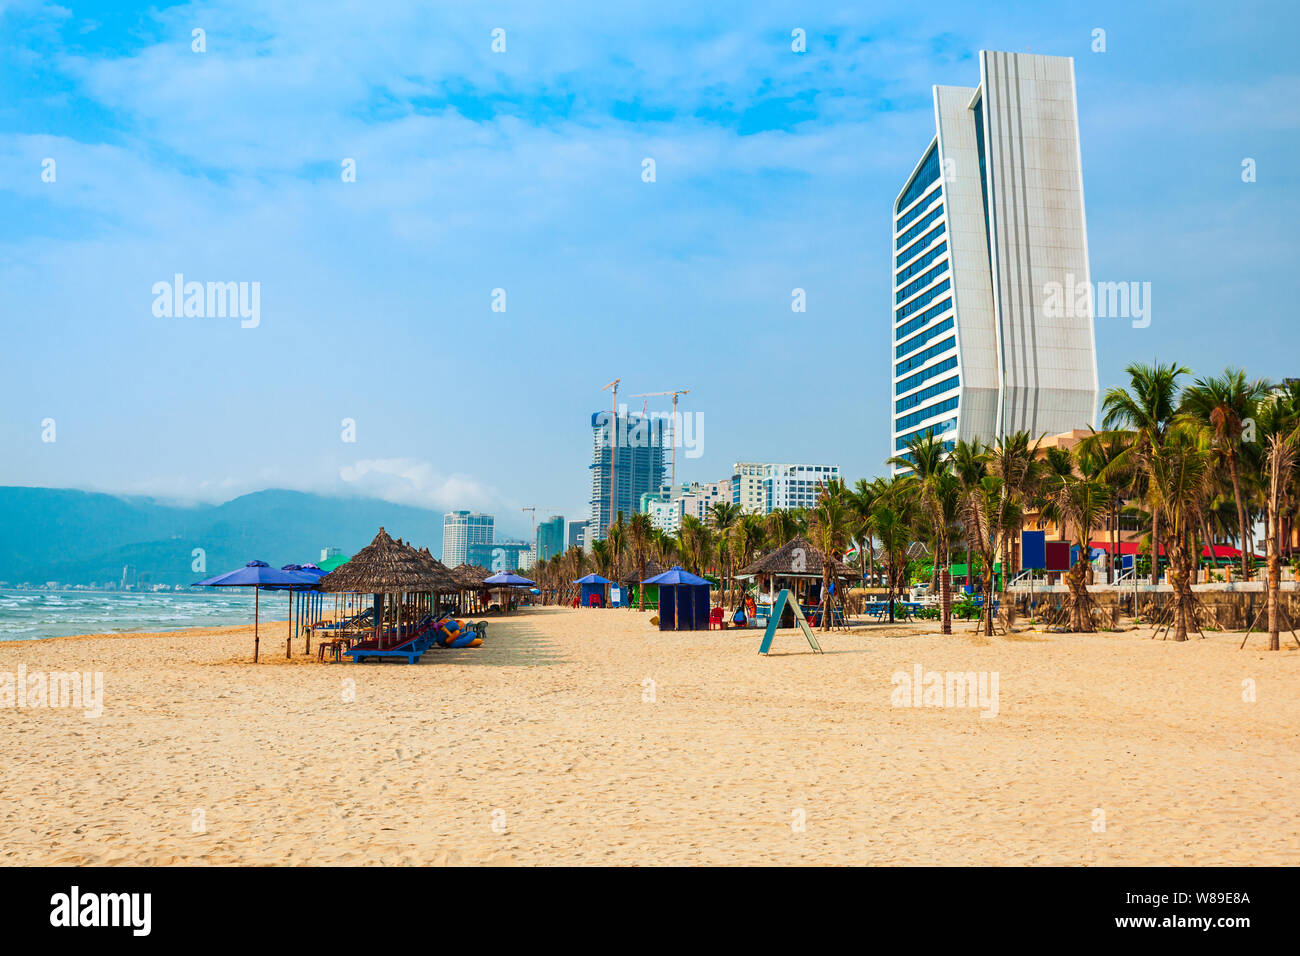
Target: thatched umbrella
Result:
[384, 566]
[470, 577]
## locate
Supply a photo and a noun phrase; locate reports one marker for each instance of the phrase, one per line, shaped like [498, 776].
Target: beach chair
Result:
[715, 619]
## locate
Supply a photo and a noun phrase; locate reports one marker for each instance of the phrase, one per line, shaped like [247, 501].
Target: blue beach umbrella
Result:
[507, 579]
[257, 575]
[306, 601]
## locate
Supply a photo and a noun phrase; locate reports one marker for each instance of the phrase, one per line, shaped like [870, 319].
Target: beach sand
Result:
[542, 747]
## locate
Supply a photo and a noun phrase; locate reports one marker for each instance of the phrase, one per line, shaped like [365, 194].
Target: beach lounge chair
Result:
[411, 644]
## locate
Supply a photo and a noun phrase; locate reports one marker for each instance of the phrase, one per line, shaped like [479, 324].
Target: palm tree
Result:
[830, 530]
[782, 525]
[1102, 457]
[695, 542]
[1014, 459]
[1279, 424]
[1180, 480]
[721, 516]
[602, 558]
[663, 548]
[892, 520]
[862, 499]
[1075, 502]
[1147, 408]
[639, 533]
[935, 488]
[616, 538]
[982, 510]
[1221, 405]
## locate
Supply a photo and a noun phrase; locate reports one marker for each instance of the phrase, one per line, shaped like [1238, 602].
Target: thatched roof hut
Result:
[384, 566]
[450, 583]
[797, 558]
[470, 576]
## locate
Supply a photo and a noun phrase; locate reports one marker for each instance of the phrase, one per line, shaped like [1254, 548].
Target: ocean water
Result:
[25, 615]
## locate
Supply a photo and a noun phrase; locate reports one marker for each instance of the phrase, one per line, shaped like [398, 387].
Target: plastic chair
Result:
[715, 618]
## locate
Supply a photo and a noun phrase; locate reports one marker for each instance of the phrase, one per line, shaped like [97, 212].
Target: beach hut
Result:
[797, 565]
[683, 600]
[593, 585]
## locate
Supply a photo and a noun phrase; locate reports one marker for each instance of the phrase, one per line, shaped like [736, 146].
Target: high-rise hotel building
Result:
[637, 464]
[460, 530]
[989, 228]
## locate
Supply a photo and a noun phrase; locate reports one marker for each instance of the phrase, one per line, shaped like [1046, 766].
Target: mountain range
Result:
[82, 537]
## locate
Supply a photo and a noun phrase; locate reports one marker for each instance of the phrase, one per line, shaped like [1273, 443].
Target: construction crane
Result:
[613, 444]
[672, 438]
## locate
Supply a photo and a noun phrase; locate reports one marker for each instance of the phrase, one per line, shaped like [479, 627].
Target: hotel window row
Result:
[923, 275]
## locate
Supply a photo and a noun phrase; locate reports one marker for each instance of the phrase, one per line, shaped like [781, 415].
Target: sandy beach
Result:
[550, 745]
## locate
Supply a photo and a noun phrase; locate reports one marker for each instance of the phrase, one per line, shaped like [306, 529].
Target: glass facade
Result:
[923, 300]
[925, 375]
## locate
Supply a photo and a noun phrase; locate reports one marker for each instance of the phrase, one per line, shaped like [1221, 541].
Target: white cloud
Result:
[407, 481]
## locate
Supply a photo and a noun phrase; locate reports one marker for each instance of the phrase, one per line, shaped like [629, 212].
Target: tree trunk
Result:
[1178, 566]
[988, 595]
[1241, 515]
[1116, 561]
[892, 582]
[1155, 548]
[1271, 545]
[945, 590]
[826, 593]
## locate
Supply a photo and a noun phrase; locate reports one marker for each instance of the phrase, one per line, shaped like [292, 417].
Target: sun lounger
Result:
[412, 643]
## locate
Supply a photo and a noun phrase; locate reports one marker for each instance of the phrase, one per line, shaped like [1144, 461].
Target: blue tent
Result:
[683, 600]
[258, 575]
[592, 584]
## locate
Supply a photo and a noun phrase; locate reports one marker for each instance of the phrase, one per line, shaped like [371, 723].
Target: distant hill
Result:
[81, 537]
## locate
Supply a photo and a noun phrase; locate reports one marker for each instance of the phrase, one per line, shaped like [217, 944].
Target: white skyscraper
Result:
[988, 229]
[460, 529]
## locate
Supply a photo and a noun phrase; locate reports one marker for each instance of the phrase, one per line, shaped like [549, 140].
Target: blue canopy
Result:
[257, 574]
[675, 575]
[507, 579]
[593, 578]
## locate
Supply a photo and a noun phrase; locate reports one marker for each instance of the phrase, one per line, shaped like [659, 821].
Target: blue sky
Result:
[522, 170]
